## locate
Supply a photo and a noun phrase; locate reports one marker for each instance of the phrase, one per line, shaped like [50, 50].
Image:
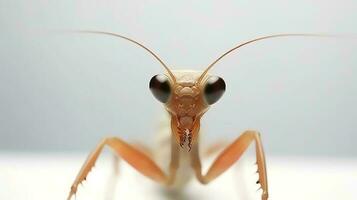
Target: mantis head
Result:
[186, 98]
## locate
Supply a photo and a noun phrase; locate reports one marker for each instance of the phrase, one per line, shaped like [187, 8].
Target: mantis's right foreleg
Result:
[136, 158]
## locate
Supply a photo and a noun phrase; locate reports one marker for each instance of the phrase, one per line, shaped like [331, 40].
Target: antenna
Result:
[133, 41]
[257, 39]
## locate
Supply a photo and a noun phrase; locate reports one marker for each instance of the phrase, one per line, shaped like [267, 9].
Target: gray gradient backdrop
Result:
[58, 92]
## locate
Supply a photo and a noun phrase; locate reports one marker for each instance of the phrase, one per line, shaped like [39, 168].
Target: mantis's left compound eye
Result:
[214, 89]
[160, 87]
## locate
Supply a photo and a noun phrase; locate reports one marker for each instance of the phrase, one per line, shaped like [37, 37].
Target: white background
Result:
[63, 92]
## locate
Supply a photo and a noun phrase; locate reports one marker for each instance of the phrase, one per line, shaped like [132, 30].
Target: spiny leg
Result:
[137, 159]
[229, 156]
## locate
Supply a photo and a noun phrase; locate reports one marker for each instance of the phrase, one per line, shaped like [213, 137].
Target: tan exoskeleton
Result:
[187, 96]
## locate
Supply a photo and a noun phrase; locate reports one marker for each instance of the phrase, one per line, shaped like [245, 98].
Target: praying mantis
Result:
[186, 96]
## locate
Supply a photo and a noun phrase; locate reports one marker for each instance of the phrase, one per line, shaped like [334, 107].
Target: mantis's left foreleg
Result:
[229, 156]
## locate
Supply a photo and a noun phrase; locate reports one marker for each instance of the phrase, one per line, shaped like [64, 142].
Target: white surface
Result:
[48, 176]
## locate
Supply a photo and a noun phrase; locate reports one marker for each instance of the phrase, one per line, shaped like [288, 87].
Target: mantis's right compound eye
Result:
[160, 87]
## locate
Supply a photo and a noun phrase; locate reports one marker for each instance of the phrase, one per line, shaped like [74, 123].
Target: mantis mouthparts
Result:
[186, 139]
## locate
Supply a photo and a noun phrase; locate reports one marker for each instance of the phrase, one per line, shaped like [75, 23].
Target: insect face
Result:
[186, 99]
